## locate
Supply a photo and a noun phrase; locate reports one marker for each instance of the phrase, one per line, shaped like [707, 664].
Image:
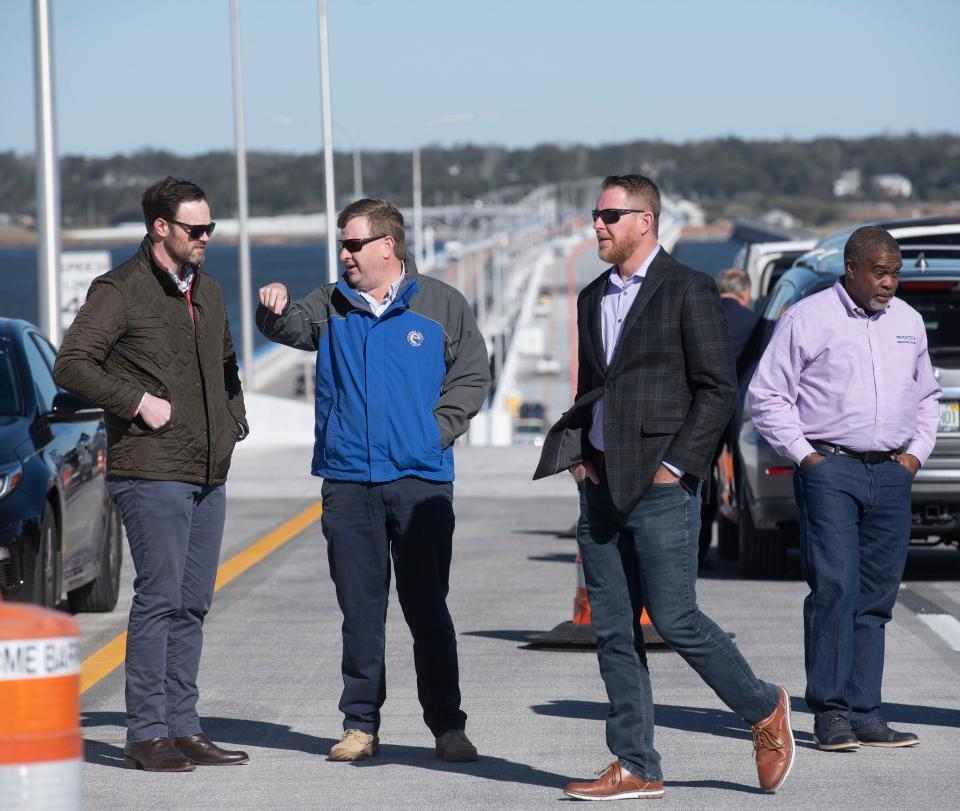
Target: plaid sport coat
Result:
[668, 391]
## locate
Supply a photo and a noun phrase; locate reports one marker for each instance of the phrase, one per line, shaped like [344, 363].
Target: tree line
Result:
[723, 174]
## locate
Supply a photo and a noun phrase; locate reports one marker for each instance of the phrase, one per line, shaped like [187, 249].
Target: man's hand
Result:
[909, 461]
[274, 297]
[586, 470]
[665, 476]
[811, 460]
[154, 411]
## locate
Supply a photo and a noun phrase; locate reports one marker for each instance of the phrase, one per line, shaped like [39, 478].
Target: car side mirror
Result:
[67, 407]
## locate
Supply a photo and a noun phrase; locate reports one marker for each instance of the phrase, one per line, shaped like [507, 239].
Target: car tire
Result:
[42, 571]
[100, 595]
[762, 552]
[727, 539]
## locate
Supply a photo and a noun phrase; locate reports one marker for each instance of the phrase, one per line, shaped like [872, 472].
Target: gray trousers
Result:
[174, 530]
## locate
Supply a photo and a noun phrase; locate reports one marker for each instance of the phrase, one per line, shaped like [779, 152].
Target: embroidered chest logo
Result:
[906, 339]
[415, 338]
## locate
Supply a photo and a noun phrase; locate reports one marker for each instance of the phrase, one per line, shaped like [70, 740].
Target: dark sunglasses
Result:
[608, 216]
[356, 245]
[196, 231]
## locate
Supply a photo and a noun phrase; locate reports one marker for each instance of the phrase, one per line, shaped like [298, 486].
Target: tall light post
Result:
[327, 116]
[357, 166]
[458, 118]
[48, 177]
[246, 306]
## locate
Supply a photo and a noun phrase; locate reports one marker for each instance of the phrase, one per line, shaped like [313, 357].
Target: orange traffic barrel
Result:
[41, 748]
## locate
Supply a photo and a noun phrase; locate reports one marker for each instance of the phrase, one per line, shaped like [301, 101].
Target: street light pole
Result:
[459, 118]
[327, 115]
[48, 177]
[246, 306]
[357, 166]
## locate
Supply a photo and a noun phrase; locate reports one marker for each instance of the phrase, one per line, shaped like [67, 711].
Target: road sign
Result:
[77, 270]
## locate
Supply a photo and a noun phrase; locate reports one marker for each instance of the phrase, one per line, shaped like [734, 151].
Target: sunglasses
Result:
[356, 245]
[608, 216]
[196, 231]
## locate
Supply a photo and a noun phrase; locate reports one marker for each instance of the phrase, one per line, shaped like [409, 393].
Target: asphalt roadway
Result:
[270, 676]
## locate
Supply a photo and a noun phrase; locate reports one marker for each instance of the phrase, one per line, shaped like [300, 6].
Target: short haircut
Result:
[384, 218]
[164, 197]
[639, 187]
[865, 240]
[734, 281]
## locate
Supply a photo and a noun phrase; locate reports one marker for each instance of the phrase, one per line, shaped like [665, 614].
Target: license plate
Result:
[949, 416]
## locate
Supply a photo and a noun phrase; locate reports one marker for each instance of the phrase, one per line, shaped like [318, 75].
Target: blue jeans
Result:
[854, 534]
[410, 522]
[648, 557]
[174, 530]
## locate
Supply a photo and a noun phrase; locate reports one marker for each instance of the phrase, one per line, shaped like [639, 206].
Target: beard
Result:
[185, 254]
[616, 253]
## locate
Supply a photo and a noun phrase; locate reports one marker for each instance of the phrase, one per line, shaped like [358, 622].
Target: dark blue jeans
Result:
[174, 530]
[854, 533]
[648, 557]
[411, 522]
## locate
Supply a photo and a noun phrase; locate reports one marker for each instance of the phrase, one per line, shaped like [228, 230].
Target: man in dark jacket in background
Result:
[401, 369]
[152, 347]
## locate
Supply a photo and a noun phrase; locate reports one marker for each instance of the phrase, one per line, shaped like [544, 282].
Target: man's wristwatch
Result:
[805, 458]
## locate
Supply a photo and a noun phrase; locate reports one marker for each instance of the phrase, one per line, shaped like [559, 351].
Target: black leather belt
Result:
[869, 457]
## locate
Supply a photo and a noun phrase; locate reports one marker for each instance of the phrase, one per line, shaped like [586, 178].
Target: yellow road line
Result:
[104, 661]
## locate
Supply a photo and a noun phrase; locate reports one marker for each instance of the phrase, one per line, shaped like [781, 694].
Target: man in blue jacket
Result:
[401, 369]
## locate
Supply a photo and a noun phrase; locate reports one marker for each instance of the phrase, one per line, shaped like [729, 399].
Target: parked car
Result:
[59, 529]
[530, 426]
[758, 513]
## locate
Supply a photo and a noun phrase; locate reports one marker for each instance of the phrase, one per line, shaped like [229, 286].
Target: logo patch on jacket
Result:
[415, 338]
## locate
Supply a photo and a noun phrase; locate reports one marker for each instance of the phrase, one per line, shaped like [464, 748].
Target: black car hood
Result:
[13, 432]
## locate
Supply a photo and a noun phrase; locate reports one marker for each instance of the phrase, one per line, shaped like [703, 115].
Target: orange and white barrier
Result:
[41, 748]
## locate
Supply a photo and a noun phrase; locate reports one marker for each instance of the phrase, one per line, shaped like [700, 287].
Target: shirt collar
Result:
[638, 274]
[391, 291]
[189, 272]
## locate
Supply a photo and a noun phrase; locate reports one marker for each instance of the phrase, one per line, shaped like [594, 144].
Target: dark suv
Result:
[758, 514]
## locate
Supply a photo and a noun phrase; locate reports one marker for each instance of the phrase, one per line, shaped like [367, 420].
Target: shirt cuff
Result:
[140, 404]
[799, 449]
[673, 469]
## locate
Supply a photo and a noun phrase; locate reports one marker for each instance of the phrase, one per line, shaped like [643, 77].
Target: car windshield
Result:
[10, 402]
[941, 316]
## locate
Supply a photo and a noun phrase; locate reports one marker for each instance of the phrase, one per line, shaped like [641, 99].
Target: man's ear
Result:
[160, 227]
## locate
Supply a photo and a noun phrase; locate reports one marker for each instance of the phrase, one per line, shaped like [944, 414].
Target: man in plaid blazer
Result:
[656, 386]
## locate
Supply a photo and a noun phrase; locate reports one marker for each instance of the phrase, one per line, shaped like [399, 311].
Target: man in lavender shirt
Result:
[846, 390]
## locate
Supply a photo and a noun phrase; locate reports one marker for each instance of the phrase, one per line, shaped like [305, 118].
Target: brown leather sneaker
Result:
[773, 744]
[616, 783]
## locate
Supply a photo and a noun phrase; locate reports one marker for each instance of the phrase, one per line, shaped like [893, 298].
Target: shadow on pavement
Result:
[555, 557]
[488, 768]
[229, 732]
[509, 635]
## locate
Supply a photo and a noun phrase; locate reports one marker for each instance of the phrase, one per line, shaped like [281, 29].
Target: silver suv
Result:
[758, 515]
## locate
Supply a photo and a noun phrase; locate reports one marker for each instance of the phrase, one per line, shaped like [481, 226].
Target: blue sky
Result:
[132, 74]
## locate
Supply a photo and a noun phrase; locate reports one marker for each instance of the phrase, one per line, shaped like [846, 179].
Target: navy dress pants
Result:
[854, 533]
[409, 521]
[174, 530]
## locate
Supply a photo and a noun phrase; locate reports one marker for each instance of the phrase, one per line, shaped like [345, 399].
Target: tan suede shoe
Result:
[354, 745]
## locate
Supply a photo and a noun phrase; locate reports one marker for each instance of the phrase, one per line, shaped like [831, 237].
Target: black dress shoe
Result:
[204, 752]
[881, 735]
[155, 755]
[833, 734]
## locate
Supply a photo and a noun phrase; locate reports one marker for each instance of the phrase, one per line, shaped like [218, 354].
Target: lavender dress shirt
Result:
[834, 373]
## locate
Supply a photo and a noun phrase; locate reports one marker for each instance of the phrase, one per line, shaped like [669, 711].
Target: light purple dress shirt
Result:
[834, 373]
[614, 306]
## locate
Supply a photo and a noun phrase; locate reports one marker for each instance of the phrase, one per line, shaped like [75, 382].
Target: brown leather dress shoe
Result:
[155, 755]
[773, 744]
[615, 783]
[204, 752]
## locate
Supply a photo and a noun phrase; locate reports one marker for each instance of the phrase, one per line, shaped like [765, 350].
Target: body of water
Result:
[301, 268]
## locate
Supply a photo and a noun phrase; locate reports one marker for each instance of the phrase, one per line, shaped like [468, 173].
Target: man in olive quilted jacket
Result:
[152, 347]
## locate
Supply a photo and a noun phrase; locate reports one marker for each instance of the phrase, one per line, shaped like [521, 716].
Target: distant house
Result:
[893, 185]
[847, 184]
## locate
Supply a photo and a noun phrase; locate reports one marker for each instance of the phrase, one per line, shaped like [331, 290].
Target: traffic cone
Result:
[41, 748]
[578, 633]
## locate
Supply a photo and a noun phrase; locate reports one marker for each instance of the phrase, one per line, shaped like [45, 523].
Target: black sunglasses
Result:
[356, 245]
[196, 231]
[608, 216]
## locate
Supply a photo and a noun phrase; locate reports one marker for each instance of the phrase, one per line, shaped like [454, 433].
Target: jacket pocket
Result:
[414, 441]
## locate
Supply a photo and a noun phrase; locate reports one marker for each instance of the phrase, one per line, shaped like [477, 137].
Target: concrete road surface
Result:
[270, 677]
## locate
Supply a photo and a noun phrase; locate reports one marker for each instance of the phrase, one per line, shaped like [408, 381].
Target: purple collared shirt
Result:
[834, 373]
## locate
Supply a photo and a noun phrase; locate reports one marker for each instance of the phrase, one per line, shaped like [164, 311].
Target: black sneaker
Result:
[880, 734]
[833, 734]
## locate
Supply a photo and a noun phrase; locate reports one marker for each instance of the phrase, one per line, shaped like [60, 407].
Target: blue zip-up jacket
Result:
[394, 392]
